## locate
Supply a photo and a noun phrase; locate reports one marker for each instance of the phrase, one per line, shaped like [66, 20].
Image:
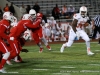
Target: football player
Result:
[79, 21]
[37, 33]
[16, 33]
[4, 28]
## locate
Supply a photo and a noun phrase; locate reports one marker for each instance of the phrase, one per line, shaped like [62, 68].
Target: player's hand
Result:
[39, 15]
[24, 50]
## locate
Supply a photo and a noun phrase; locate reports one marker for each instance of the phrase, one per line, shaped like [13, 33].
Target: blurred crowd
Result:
[66, 10]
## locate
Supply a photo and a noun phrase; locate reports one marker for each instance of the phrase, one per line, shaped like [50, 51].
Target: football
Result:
[86, 24]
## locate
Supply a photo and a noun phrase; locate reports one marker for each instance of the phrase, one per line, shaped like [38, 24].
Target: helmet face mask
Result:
[14, 19]
[83, 11]
[32, 12]
[8, 16]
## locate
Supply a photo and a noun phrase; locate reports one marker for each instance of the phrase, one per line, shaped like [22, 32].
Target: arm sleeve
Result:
[2, 33]
[34, 24]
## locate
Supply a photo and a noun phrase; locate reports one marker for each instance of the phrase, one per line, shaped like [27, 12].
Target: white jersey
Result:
[53, 24]
[81, 21]
[14, 23]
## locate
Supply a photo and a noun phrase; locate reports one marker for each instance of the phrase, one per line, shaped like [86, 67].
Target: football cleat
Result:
[8, 62]
[2, 71]
[90, 53]
[62, 48]
[41, 50]
[17, 61]
[49, 48]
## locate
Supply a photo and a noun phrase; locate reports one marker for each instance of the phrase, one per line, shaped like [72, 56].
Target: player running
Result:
[79, 22]
[37, 33]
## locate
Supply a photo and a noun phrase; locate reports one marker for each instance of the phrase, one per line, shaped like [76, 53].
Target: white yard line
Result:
[67, 67]
[61, 73]
[89, 71]
[97, 50]
[94, 64]
[13, 72]
[41, 69]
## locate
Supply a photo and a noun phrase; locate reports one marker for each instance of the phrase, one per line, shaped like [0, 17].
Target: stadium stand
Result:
[47, 5]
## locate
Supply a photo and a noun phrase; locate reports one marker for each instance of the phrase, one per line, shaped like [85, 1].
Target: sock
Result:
[3, 61]
[88, 45]
[88, 49]
[39, 44]
[44, 41]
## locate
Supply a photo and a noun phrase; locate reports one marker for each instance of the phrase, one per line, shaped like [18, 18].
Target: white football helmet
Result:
[8, 16]
[83, 11]
[27, 35]
[52, 18]
[32, 12]
[27, 17]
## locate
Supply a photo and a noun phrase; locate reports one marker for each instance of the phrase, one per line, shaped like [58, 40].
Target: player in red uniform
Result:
[4, 27]
[17, 32]
[37, 33]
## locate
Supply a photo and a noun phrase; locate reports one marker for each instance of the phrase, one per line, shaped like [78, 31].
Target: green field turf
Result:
[73, 61]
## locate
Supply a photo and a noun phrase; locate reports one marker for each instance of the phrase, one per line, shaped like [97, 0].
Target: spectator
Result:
[6, 8]
[56, 12]
[11, 8]
[64, 11]
[96, 26]
[36, 7]
[1, 13]
[71, 10]
[22, 9]
[28, 8]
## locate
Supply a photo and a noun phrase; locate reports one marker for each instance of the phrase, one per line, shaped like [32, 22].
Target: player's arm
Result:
[93, 24]
[74, 24]
[88, 22]
[35, 24]
[2, 32]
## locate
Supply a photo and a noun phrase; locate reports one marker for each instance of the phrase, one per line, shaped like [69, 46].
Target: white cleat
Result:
[9, 63]
[49, 48]
[2, 71]
[50, 40]
[90, 53]
[62, 48]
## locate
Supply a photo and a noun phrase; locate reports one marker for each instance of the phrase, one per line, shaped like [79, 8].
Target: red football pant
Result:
[3, 47]
[37, 35]
[15, 48]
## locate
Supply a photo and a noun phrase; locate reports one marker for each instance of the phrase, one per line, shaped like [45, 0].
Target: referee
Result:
[96, 26]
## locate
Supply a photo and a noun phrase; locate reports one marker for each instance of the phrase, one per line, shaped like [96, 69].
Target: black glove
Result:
[24, 50]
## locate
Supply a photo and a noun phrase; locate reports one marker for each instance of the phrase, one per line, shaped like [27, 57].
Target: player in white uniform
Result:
[47, 30]
[54, 28]
[78, 24]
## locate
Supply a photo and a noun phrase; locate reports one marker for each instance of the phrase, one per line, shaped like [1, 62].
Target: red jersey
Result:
[35, 29]
[22, 26]
[4, 26]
